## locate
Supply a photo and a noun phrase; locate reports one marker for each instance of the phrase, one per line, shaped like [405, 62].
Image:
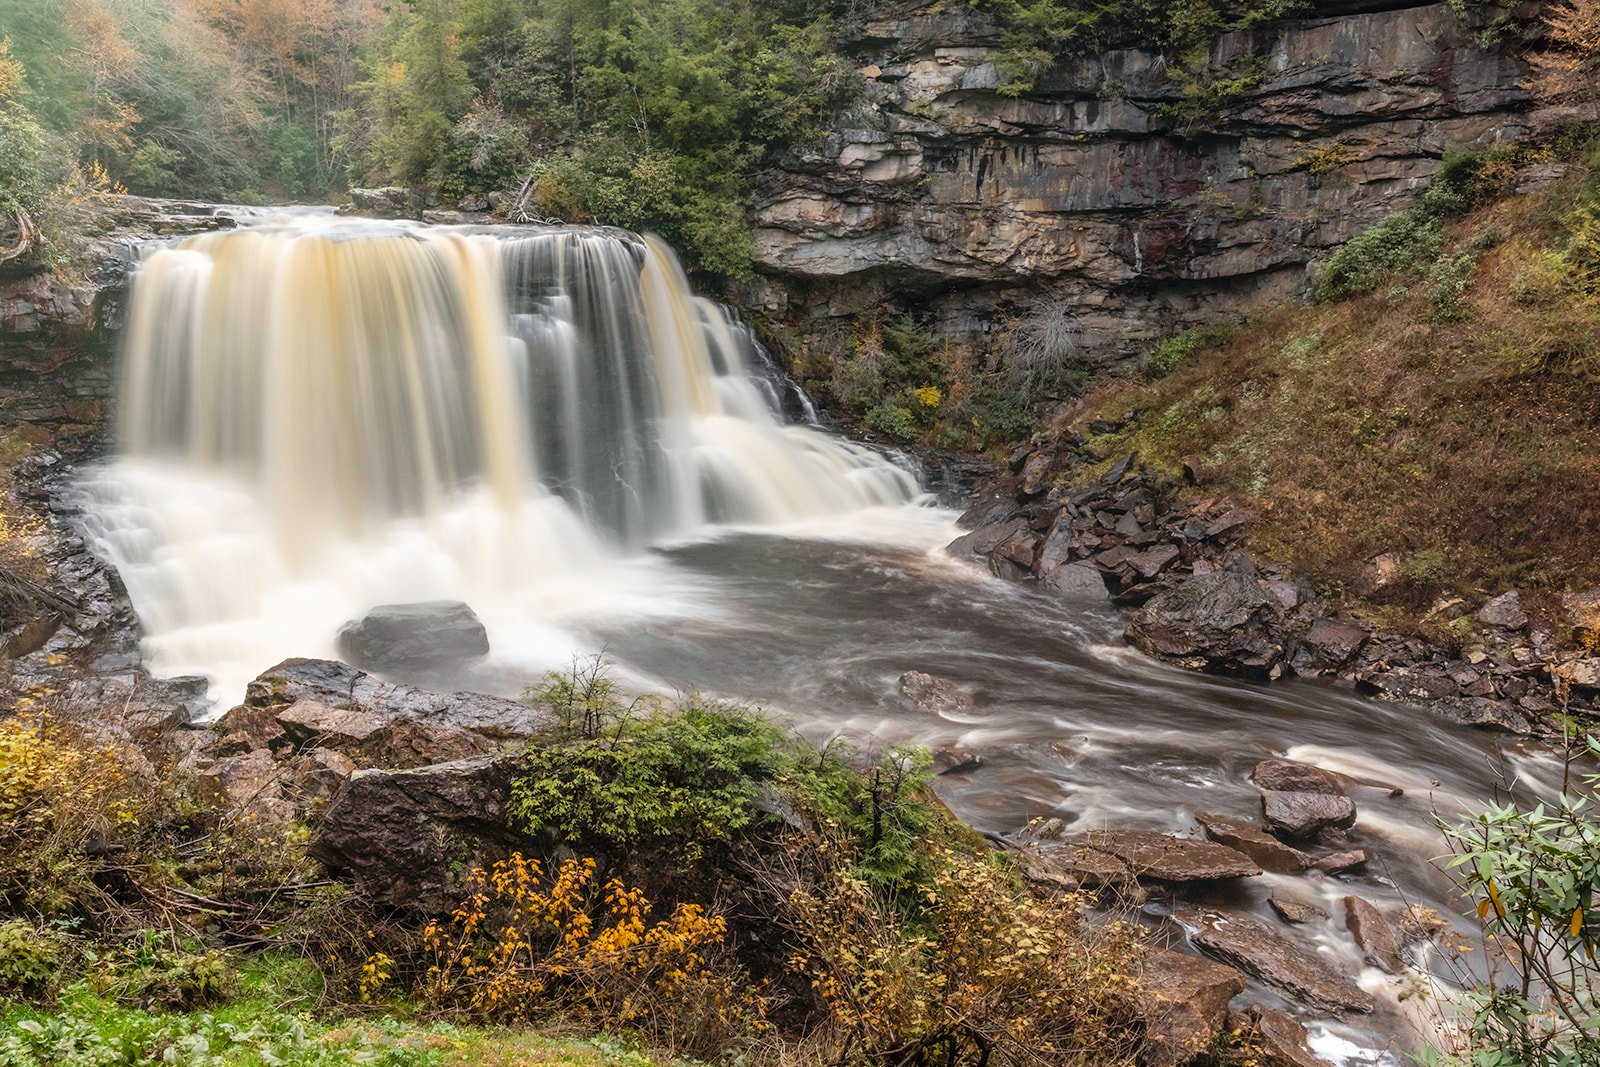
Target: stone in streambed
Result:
[1165, 858]
[1288, 966]
[423, 636]
[1298, 799]
[1280, 1040]
[1295, 912]
[1254, 841]
[937, 696]
[1373, 934]
[955, 761]
[1340, 862]
[1184, 1003]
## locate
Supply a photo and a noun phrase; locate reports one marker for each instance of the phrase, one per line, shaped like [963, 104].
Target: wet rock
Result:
[407, 838]
[1165, 858]
[249, 783]
[308, 723]
[339, 685]
[407, 743]
[315, 776]
[1373, 934]
[1286, 965]
[244, 728]
[1184, 1003]
[985, 539]
[1340, 862]
[1504, 612]
[1254, 841]
[1221, 622]
[423, 636]
[1295, 912]
[1330, 644]
[1298, 799]
[1486, 713]
[1280, 1039]
[1301, 815]
[955, 761]
[937, 696]
[1078, 581]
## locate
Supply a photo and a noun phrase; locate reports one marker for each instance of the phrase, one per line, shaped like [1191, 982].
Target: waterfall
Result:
[319, 416]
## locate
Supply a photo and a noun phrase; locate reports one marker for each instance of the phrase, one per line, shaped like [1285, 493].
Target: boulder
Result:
[1295, 912]
[1330, 645]
[1259, 949]
[1280, 1040]
[249, 783]
[1504, 612]
[408, 838]
[1373, 934]
[1254, 841]
[938, 696]
[1223, 622]
[406, 743]
[1299, 800]
[383, 202]
[1340, 862]
[1184, 1003]
[985, 539]
[1078, 581]
[955, 761]
[315, 776]
[424, 636]
[1166, 858]
[307, 723]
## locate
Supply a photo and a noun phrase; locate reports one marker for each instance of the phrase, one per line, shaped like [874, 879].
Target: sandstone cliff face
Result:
[946, 196]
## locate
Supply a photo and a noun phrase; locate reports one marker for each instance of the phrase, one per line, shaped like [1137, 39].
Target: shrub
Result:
[967, 967]
[1532, 871]
[29, 957]
[893, 421]
[1397, 244]
[1173, 352]
[523, 945]
[57, 796]
[1448, 281]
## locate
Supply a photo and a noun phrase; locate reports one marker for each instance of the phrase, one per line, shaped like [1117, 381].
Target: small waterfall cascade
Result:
[318, 416]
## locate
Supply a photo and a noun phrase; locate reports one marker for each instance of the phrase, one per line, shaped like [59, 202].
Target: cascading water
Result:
[320, 416]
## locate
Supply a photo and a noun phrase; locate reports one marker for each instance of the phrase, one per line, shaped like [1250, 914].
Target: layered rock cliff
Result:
[944, 196]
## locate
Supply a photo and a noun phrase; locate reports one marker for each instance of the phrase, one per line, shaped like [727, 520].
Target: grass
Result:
[1448, 415]
[273, 1020]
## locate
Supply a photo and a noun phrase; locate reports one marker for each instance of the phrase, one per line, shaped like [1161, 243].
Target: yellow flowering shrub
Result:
[57, 796]
[971, 968]
[524, 944]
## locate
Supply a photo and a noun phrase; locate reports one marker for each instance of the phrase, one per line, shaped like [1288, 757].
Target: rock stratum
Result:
[942, 195]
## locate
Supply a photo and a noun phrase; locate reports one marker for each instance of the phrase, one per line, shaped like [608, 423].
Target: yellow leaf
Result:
[1577, 922]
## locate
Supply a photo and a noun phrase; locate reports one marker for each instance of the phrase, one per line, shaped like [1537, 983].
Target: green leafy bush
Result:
[1532, 872]
[1176, 350]
[1448, 281]
[694, 774]
[29, 957]
[1397, 244]
[893, 421]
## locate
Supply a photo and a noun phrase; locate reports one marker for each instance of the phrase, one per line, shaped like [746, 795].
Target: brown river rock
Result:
[1285, 964]
[1184, 1002]
[1165, 858]
[1254, 841]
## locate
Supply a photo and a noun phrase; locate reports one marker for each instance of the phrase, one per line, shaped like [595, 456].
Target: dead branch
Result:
[28, 238]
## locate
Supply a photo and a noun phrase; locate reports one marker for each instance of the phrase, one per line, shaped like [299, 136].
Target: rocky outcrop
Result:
[1295, 970]
[938, 696]
[1299, 800]
[1087, 193]
[1218, 622]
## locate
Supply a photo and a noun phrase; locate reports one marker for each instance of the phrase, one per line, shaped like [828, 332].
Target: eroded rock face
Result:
[1081, 193]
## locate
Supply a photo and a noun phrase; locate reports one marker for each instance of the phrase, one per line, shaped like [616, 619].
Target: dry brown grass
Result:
[1470, 448]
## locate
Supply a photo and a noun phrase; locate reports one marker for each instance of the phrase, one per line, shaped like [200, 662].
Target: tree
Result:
[1568, 72]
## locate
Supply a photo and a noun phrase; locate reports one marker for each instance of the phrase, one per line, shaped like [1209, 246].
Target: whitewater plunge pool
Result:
[319, 417]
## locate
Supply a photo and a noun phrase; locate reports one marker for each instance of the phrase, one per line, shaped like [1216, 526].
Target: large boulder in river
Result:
[383, 202]
[1222, 622]
[938, 696]
[425, 636]
[1159, 857]
[1298, 800]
